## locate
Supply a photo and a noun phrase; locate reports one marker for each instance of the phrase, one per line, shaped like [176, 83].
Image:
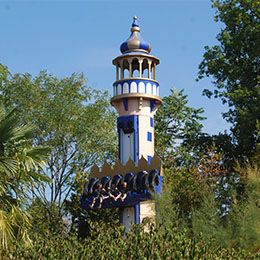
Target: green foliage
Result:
[181, 196]
[245, 217]
[158, 242]
[20, 172]
[239, 226]
[176, 127]
[76, 122]
[45, 218]
[15, 224]
[211, 172]
[234, 66]
[206, 220]
[81, 220]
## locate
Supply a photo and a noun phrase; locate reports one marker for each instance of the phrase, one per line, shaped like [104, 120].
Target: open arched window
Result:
[135, 68]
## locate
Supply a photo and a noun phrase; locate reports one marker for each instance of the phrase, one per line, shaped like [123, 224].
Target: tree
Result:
[76, 122]
[177, 126]
[20, 172]
[245, 216]
[181, 196]
[239, 227]
[211, 171]
[234, 65]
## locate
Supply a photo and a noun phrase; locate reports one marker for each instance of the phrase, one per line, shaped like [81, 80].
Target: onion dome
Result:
[135, 43]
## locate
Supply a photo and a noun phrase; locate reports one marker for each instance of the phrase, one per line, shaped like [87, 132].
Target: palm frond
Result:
[8, 166]
[9, 130]
[20, 168]
[6, 230]
[21, 221]
[33, 158]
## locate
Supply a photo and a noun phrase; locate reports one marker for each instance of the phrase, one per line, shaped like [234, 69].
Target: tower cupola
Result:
[135, 43]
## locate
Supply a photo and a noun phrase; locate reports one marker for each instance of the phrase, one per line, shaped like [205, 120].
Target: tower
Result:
[136, 97]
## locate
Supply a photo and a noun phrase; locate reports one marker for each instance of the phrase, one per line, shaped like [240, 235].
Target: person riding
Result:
[98, 194]
[123, 191]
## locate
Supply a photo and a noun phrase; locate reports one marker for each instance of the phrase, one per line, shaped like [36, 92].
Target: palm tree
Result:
[20, 171]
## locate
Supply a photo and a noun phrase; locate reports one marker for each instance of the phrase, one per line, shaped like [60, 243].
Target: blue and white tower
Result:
[136, 97]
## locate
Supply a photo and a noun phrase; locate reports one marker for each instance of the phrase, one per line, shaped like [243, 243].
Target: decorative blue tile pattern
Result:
[151, 122]
[149, 136]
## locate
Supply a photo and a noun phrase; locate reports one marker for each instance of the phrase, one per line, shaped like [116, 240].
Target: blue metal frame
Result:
[131, 200]
[137, 213]
[119, 143]
[149, 158]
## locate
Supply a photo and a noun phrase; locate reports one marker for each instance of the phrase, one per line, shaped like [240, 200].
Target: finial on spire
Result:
[135, 26]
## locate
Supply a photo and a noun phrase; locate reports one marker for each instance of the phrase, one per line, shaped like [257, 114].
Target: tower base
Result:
[136, 214]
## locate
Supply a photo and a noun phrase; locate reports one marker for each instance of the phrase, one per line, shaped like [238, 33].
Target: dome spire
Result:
[135, 43]
[135, 26]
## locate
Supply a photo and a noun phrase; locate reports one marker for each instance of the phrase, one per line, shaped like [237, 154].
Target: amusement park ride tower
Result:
[136, 97]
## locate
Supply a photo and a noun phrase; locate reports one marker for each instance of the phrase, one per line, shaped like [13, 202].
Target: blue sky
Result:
[64, 37]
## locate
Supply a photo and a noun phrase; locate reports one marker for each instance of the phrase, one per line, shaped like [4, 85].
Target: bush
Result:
[159, 242]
